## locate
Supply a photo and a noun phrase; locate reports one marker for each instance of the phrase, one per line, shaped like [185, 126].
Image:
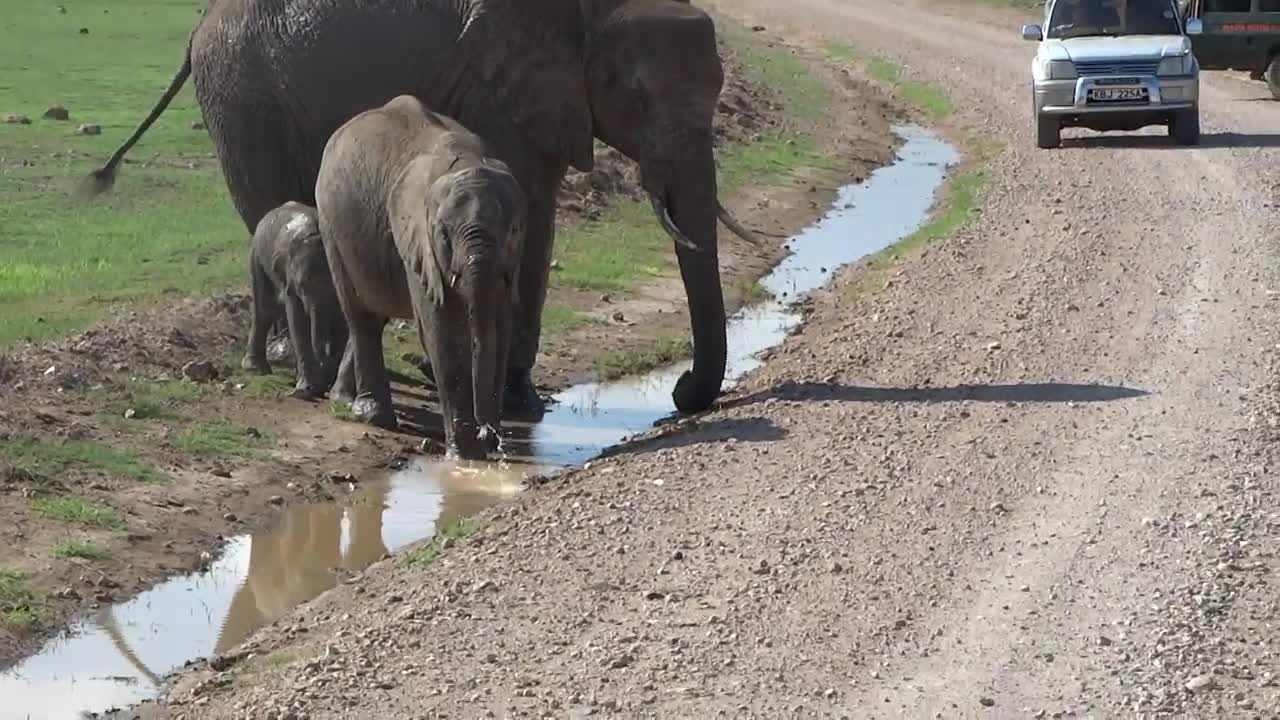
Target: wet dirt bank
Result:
[166, 450]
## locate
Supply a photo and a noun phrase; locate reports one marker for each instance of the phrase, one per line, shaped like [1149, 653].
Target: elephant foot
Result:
[374, 412]
[307, 391]
[520, 398]
[342, 392]
[694, 396]
[257, 365]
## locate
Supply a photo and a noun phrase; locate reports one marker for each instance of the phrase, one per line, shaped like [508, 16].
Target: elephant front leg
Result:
[520, 396]
[304, 331]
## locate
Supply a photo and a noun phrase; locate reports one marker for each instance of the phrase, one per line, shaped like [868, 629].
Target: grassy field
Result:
[168, 229]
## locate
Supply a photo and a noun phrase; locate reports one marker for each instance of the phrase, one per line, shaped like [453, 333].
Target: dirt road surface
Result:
[1033, 476]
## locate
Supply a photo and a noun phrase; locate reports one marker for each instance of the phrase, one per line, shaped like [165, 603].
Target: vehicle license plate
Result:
[1117, 94]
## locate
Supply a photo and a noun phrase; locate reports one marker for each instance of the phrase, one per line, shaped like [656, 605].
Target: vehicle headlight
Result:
[1058, 69]
[1180, 65]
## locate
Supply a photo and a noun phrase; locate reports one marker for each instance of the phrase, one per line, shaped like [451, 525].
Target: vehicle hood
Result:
[1136, 47]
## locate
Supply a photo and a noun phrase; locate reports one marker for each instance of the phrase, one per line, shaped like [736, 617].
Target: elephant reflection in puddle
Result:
[296, 560]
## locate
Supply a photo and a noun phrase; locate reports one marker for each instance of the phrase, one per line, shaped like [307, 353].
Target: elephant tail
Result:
[100, 181]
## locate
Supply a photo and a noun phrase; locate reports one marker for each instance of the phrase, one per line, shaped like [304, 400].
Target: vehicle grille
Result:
[1105, 67]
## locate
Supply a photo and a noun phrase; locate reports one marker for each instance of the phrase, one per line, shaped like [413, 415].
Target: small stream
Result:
[117, 656]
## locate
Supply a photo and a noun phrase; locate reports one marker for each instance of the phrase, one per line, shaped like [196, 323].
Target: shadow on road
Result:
[1161, 142]
[1029, 392]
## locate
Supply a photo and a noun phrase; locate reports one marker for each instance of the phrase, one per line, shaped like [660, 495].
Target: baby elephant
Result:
[290, 277]
[420, 222]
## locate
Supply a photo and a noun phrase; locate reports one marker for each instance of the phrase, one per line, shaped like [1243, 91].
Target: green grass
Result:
[427, 552]
[83, 551]
[751, 291]
[48, 458]
[219, 437]
[165, 229]
[18, 608]
[156, 400]
[78, 511]
[663, 351]
[926, 97]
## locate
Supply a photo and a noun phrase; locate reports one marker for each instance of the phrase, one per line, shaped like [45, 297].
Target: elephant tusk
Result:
[669, 225]
[733, 225]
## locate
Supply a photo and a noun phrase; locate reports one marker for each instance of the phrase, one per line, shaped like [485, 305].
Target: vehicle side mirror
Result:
[1033, 32]
[1194, 26]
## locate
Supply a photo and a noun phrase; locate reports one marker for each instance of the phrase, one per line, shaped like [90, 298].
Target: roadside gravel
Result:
[1032, 476]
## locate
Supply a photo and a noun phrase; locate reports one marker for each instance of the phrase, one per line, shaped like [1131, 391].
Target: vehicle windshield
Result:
[1084, 18]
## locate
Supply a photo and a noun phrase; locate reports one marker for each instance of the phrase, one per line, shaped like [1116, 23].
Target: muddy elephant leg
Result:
[265, 314]
[373, 390]
[303, 330]
[335, 348]
[344, 385]
[520, 397]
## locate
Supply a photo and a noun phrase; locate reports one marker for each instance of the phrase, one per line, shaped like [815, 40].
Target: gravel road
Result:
[1033, 476]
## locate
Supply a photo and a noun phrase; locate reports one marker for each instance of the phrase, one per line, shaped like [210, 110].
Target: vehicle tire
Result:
[1048, 131]
[1184, 126]
[1273, 76]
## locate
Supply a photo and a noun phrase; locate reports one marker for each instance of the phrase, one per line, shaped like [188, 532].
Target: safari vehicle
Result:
[1238, 35]
[1114, 65]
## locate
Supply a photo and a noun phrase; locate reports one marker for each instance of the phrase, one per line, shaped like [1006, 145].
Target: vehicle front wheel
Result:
[1048, 131]
[1184, 126]
[1273, 76]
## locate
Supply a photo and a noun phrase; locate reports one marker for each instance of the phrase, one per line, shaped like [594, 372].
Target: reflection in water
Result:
[115, 658]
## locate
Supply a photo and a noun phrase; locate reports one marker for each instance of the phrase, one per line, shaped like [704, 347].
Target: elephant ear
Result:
[531, 55]
[412, 227]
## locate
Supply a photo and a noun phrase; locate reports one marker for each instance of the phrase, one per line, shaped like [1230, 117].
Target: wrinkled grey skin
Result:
[290, 277]
[420, 222]
[536, 79]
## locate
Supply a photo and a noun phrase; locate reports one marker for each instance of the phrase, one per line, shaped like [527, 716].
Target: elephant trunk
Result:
[481, 286]
[683, 195]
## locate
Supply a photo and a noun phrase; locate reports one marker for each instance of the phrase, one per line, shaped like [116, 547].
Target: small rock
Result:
[57, 112]
[276, 500]
[230, 517]
[84, 31]
[757, 28]
[189, 511]
[130, 414]
[17, 119]
[555, 264]
[606, 298]
[617, 316]
[199, 371]
[998, 507]
[90, 129]
[197, 125]
[338, 476]
[993, 345]
[1104, 641]
[986, 701]
[1200, 683]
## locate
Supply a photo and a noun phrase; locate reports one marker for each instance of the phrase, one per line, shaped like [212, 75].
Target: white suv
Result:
[1114, 65]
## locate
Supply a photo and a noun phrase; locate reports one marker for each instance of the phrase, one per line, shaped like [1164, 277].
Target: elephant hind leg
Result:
[266, 313]
[363, 360]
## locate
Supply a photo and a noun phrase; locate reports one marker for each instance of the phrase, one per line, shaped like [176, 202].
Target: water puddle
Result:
[117, 656]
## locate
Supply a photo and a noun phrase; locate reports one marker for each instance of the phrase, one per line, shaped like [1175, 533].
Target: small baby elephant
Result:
[420, 222]
[290, 277]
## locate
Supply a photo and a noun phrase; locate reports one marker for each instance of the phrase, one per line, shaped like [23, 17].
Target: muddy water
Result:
[117, 656]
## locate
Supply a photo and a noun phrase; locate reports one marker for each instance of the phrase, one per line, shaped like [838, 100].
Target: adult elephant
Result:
[537, 79]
